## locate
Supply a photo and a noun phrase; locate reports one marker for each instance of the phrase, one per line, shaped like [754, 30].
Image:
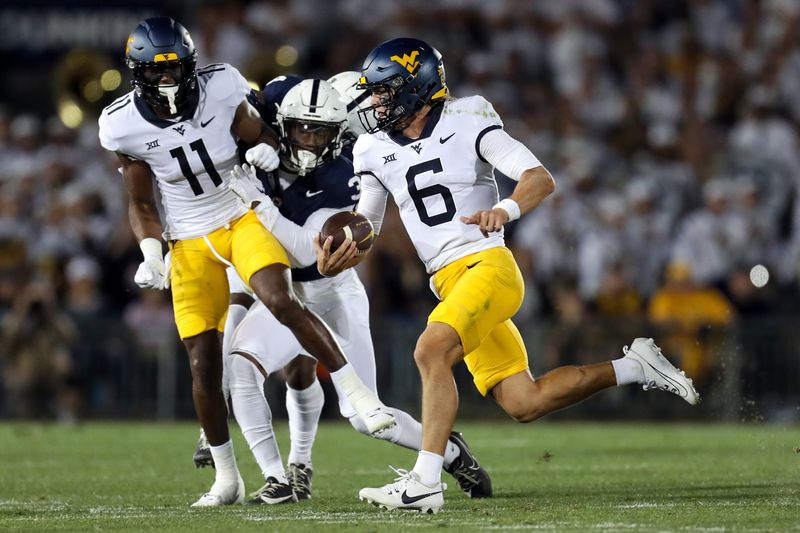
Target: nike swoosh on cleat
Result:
[676, 384]
[207, 122]
[406, 499]
[443, 140]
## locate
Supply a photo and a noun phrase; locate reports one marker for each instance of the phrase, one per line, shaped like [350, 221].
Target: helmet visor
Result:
[163, 73]
[314, 137]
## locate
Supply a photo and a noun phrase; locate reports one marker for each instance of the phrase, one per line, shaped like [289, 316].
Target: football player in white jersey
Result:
[315, 180]
[435, 155]
[180, 126]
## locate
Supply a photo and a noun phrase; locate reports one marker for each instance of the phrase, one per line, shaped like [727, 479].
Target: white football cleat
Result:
[407, 492]
[373, 413]
[220, 494]
[658, 372]
[378, 419]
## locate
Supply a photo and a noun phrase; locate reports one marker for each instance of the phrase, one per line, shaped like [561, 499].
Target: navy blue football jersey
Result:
[325, 190]
[334, 185]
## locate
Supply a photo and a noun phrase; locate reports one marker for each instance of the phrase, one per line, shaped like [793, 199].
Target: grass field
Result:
[547, 476]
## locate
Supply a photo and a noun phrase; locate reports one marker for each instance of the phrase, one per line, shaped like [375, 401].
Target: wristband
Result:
[509, 206]
[151, 248]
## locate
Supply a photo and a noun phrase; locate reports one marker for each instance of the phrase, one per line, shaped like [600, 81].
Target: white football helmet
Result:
[357, 99]
[312, 119]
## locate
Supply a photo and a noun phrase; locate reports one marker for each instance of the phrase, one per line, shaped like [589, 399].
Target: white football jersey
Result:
[438, 178]
[191, 157]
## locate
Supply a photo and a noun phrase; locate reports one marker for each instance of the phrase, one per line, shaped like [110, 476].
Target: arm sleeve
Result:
[372, 203]
[505, 153]
[297, 240]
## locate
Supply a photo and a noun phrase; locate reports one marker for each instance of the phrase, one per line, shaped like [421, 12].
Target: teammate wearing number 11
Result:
[435, 155]
[181, 125]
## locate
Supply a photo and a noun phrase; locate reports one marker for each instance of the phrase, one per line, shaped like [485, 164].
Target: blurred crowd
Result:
[669, 126]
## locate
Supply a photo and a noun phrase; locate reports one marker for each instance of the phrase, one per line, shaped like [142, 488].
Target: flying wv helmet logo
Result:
[169, 56]
[408, 61]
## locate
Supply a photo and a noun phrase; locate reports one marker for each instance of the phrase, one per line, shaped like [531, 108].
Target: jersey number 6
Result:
[435, 166]
[186, 169]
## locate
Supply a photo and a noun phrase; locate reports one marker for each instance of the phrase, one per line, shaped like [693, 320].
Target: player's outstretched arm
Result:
[145, 223]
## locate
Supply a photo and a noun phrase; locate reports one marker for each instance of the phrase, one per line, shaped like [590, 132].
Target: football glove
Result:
[152, 272]
[263, 156]
[244, 184]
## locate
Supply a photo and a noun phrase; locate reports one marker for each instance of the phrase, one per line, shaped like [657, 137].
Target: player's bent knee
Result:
[205, 358]
[520, 400]
[283, 307]
[524, 416]
[439, 345]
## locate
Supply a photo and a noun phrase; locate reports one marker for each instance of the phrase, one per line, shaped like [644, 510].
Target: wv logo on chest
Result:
[180, 129]
[417, 147]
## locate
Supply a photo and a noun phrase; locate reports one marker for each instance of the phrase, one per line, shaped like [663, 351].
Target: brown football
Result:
[349, 224]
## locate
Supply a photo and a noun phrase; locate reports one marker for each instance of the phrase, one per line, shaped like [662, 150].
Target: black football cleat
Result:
[300, 479]
[202, 453]
[471, 477]
[272, 493]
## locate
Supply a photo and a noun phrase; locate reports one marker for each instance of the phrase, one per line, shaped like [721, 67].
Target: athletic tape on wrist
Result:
[509, 206]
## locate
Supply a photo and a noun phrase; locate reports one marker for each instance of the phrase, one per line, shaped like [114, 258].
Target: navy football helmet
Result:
[160, 48]
[404, 74]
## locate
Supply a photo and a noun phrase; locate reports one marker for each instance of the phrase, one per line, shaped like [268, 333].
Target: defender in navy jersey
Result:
[436, 155]
[315, 180]
[179, 127]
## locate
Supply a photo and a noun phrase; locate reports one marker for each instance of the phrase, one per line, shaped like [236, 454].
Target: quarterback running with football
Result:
[435, 155]
[180, 125]
[315, 179]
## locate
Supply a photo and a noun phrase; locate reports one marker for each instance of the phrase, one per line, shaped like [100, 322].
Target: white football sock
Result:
[236, 314]
[304, 407]
[350, 385]
[254, 416]
[225, 462]
[429, 467]
[628, 371]
[406, 433]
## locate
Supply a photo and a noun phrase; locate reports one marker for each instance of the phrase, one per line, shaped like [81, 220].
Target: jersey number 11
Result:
[199, 147]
